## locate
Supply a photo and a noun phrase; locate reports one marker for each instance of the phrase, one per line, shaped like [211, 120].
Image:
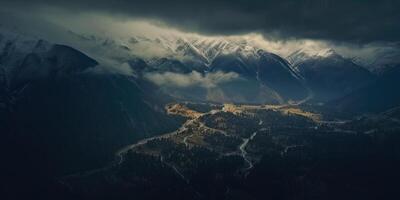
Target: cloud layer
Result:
[337, 20]
[194, 78]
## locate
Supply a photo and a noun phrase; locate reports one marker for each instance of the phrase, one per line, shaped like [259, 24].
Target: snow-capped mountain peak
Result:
[301, 55]
[201, 50]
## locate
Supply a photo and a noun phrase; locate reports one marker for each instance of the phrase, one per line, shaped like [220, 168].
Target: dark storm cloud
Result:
[339, 20]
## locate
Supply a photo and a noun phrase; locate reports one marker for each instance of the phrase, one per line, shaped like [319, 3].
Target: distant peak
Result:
[326, 53]
[311, 52]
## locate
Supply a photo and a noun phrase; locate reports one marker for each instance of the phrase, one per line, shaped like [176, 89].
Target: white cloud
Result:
[209, 80]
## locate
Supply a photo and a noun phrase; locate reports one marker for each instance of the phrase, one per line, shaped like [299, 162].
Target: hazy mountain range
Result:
[323, 74]
[193, 68]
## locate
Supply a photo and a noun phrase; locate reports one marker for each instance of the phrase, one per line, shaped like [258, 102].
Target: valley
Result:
[230, 147]
[193, 132]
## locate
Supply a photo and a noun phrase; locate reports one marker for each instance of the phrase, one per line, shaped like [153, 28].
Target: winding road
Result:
[243, 151]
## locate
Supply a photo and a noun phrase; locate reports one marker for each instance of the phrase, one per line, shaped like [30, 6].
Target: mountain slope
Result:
[328, 74]
[378, 96]
[278, 74]
[58, 116]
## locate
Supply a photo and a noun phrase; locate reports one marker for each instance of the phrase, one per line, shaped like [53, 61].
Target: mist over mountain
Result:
[179, 55]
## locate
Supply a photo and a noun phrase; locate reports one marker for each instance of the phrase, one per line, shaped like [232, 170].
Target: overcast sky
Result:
[355, 21]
